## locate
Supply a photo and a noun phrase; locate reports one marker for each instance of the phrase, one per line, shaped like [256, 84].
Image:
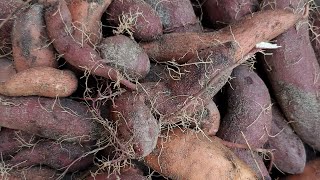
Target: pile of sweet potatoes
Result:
[151, 89]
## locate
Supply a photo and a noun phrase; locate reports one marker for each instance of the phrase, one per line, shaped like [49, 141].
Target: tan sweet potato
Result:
[288, 149]
[293, 72]
[60, 156]
[81, 56]
[6, 69]
[189, 155]
[260, 27]
[30, 43]
[41, 81]
[59, 119]
[135, 17]
[125, 55]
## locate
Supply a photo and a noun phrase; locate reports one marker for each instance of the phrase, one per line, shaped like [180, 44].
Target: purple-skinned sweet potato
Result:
[6, 69]
[59, 119]
[293, 72]
[34, 173]
[248, 118]
[288, 149]
[136, 17]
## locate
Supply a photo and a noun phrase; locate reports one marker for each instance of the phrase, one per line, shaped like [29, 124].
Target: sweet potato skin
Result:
[30, 43]
[310, 172]
[34, 173]
[289, 152]
[129, 173]
[292, 71]
[147, 24]
[125, 55]
[55, 155]
[6, 69]
[61, 119]
[41, 81]
[190, 155]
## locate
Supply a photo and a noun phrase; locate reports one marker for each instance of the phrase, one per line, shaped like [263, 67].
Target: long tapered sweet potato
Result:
[189, 155]
[60, 119]
[41, 81]
[289, 152]
[293, 72]
[30, 43]
[6, 69]
[253, 29]
[59, 156]
[81, 56]
[248, 118]
[135, 17]
[86, 17]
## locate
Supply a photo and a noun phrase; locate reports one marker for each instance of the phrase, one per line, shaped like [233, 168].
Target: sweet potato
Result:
[176, 15]
[310, 172]
[60, 119]
[248, 118]
[125, 55]
[315, 31]
[210, 120]
[34, 173]
[262, 26]
[81, 56]
[60, 156]
[136, 125]
[288, 149]
[293, 72]
[8, 8]
[86, 17]
[127, 173]
[30, 43]
[189, 155]
[135, 17]
[6, 69]
[11, 141]
[41, 81]
[222, 13]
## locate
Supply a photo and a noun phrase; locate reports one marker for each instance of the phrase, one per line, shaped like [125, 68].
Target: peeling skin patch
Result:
[303, 109]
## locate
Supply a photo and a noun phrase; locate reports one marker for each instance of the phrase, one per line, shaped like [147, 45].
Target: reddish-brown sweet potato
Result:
[248, 118]
[176, 15]
[34, 173]
[260, 27]
[41, 81]
[190, 155]
[310, 172]
[127, 173]
[135, 17]
[81, 56]
[293, 72]
[86, 17]
[59, 156]
[31, 46]
[125, 55]
[6, 69]
[60, 119]
[288, 149]
[11, 141]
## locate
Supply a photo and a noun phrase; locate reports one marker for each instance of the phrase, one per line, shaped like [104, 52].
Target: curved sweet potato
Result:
[41, 81]
[55, 155]
[81, 56]
[293, 72]
[6, 69]
[176, 15]
[142, 21]
[190, 155]
[86, 17]
[125, 55]
[61, 119]
[289, 152]
[30, 43]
